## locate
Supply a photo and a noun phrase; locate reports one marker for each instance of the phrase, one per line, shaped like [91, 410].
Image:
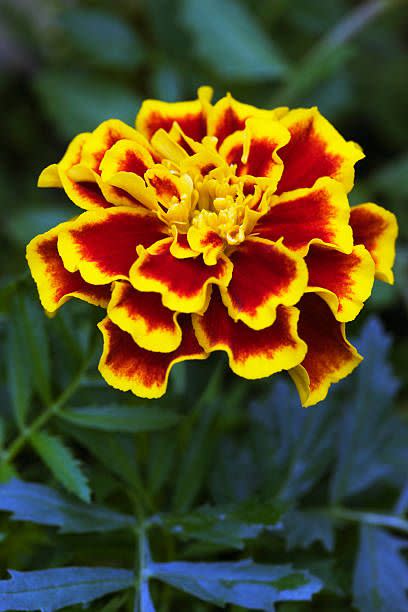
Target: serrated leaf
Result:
[115, 451]
[244, 583]
[122, 418]
[304, 528]
[228, 526]
[62, 463]
[247, 53]
[381, 572]
[45, 506]
[302, 442]
[89, 30]
[52, 589]
[371, 439]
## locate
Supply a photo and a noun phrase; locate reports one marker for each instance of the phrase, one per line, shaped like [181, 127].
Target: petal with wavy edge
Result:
[104, 137]
[265, 275]
[330, 357]
[306, 216]
[180, 248]
[102, 244]
[343, 281]
[123, 168]
[54, 283]
[191, 116]
[207, 242]
[377, 229]
[183, 283]
[315, 149]
[255, 150]
[167, 187]
[251, 353]
[151, 325]
[126, 366]
[228, 116]
[86, 194]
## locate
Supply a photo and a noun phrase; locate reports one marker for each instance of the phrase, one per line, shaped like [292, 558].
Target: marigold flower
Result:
[216, 227]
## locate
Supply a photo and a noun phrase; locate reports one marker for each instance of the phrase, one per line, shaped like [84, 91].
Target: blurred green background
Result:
[67, 65]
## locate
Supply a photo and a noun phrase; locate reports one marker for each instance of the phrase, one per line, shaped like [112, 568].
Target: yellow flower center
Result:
[208, 201]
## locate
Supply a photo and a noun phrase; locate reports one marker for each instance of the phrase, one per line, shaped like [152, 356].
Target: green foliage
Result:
[121, 418]
[295, 469]
[55, 588]
[60, 460]
[163, 500]
[248, 55]
[380, 576]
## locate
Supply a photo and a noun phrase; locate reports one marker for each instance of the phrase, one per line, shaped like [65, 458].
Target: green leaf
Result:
[303, 528]
[162, 450]
[45, 506]
[116, 452]
[62, 464]
[227, 526]
[102, 38]
[381, 572]
[195, 435]
[52, 589]
[19, 373]
[226, 36]
[302, 442]
[122, 418]
[78, 102]
[244, 583]
[371, 439]
[32, 320]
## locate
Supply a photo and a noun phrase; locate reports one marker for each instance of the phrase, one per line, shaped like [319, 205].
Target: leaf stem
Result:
[142, 559]
[25, 435]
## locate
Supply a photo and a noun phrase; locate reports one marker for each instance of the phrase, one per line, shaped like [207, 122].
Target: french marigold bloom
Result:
[216, 227]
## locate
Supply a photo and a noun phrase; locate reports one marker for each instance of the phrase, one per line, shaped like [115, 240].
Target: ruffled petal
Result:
[126, 366]
[102, 244]
[330, 357]
[207, 242]
[54, 283]
[265, 275]
[103, 138]
[343, 281]
[122, 169]
[255, 149]
[167, 187]
[317, 215]
[151, 325]
[85, 194]
[251, 354]
[191, 116]
[377, 229]
[228, 116]
[183, 283]
[315, 149]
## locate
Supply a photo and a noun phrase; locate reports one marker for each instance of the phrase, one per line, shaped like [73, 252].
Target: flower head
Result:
[216, 227]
